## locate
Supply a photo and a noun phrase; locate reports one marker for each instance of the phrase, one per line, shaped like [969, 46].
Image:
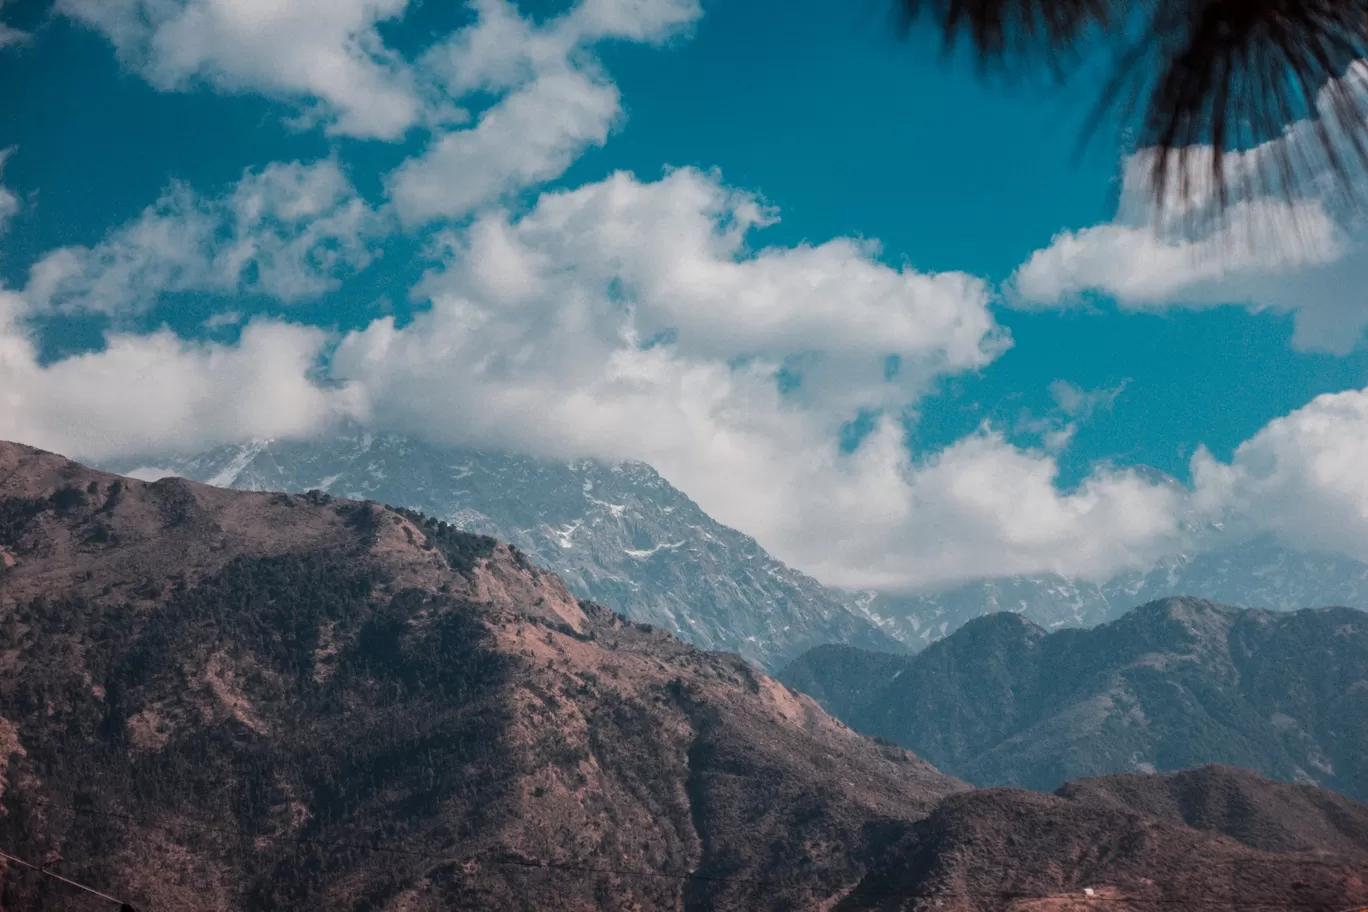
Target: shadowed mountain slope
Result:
[1171, 685]
[1006, 849]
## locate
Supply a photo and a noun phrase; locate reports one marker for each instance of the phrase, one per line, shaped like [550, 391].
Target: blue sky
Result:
[810, 107]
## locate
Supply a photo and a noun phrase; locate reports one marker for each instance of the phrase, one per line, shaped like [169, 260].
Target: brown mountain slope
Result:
[1265, 815]
[226, 700]
[219, 700]
[1008, 849]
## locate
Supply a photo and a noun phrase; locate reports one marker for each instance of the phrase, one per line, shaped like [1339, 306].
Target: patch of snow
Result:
[238, 464]
[564, 534]
[148, 473]
[647, 553]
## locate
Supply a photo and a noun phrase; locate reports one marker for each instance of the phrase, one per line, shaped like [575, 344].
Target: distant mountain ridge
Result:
[1250, 572]
[623, 536]
[620, 535]
[1171, 685]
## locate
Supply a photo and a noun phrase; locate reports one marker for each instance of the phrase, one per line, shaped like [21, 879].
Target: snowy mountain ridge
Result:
[623, 536]
[618, 534]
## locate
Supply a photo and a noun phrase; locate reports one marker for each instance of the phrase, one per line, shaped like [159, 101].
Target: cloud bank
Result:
[290, 231]
[1280, 247]
[639, 319]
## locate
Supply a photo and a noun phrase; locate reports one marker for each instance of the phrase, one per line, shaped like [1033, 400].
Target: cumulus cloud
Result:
[326, 55]
[288, 230]
[1144, 268]
[531, 136]
[1073, 405]
[642, 320]
[9, 35]
[550, 99]
[555, 102]
[1077, 402]
[158, 392]
[1302, 477]
[634, 320]
[9, 203]
[631, 320]
[1280, 247]
[503, 49]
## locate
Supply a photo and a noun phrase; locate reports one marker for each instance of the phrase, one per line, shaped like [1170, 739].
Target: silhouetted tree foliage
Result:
[461, 549]
[1230, 74]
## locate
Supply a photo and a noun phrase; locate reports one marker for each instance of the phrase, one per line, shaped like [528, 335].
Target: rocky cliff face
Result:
[1174, 684]
[619, 535]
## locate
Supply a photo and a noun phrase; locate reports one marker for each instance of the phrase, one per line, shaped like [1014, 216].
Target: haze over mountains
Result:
[625, 537]
[236, 700]
[1169, 686]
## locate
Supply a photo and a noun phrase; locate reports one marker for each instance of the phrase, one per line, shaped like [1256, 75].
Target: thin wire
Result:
[168, 826]
[55, 876]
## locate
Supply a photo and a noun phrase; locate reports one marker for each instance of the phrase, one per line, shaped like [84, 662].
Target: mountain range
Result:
[1252, 571]
[227, 700]
[619, 535]
[220, 700]
[623, 536]
[1173, 684]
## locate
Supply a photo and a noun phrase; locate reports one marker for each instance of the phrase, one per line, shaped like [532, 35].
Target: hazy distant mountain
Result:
[1253, 572]
[225, 700]
[620, 535]
[1171, 685]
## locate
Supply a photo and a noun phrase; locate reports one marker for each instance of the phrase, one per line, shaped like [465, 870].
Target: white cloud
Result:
[157, 392]
[555, 103]
[1270, 257]
[324, 53]
[503, 49]
[1144, 268]
[1304, 477]
[1073, 406]
[551, 100]
[9, 203]
[1279, 247]
[10, 36]
[531, 136]
[635, 320]
[1077, 402]
[640, 320]
[287, 231]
